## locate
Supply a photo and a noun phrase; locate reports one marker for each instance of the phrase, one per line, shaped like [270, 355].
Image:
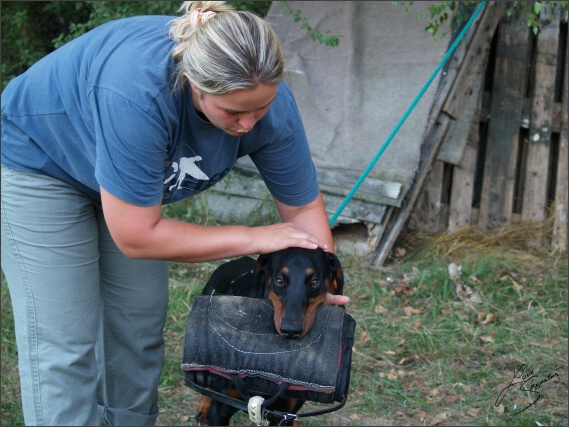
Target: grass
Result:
[424, 355]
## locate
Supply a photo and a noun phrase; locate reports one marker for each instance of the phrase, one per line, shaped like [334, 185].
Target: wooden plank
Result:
[555, 115]
[559, 238]
[355, 211]
[454, 144]
[462, 55]
[503, 132]
[372, 190]
[427, 211]
[238, 184]
[463, 184]
[432, 144]
[238, 208]
[239, 198]
[463, 180]
[474, 62]
[536, 178]
[376, 231]
[556, 120]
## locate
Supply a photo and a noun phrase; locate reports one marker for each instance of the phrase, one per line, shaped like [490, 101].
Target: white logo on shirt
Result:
[186, 167]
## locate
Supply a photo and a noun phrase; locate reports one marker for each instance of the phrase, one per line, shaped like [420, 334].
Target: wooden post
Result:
[460, 206]
[427, 210]
[535, 188]
[450, 97]
[503, 132]
[559, 240]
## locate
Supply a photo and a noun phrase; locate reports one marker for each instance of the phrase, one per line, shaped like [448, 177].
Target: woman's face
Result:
[236, 112]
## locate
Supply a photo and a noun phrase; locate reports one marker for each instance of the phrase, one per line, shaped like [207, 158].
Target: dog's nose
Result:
[291, 331]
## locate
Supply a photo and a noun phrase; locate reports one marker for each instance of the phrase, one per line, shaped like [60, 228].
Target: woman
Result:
[96, 137]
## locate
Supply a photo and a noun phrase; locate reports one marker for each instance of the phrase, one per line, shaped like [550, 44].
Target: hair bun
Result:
[239, 50]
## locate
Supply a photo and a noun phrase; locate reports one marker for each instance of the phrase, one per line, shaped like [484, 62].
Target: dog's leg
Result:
[204, 407]
[220, 413]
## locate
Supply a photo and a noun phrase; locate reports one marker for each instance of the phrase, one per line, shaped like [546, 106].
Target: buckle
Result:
[287, 417]
[255, 408]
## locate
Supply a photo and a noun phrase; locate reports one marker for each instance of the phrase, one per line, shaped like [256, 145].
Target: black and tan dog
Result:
[296, 281]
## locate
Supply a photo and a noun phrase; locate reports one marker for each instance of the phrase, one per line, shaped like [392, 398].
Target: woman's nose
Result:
[247, 121]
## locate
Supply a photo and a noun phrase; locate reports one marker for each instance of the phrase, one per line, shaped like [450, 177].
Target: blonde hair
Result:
[226, 50]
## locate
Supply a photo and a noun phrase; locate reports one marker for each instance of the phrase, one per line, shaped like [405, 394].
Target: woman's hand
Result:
[337, 299]
[271, 238]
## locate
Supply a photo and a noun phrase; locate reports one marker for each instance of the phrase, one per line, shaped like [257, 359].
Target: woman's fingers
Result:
[337, 299]
[275, 237]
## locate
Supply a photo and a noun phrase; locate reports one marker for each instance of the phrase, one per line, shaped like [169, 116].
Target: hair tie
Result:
[196, 19]
[207, 15]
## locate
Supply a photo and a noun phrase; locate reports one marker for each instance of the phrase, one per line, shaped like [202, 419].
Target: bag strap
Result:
[239, 404]
[287, 416]
[223, 398]
[242, 389]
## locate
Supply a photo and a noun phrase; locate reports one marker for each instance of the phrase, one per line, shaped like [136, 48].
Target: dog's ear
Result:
[336, 284]
[261, 276]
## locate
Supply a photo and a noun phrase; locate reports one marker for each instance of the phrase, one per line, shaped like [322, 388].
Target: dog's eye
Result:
[279, 281]
[314, 283]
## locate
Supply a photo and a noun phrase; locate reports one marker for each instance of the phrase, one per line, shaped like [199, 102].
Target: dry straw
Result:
[522, 242]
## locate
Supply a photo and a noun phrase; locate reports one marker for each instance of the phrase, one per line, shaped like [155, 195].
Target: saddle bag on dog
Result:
[231, 342]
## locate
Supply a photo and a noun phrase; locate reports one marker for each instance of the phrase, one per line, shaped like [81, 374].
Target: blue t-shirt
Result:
[100, 111]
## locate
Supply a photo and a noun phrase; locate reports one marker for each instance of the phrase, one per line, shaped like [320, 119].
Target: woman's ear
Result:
[193, 87]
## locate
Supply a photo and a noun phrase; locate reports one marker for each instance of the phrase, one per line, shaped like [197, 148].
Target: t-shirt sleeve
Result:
[131, 146]
[286, 163]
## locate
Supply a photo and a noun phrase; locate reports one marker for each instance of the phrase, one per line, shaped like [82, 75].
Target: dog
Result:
[296, 281]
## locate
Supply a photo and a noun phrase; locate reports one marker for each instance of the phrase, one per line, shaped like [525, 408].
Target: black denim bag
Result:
[231, 342]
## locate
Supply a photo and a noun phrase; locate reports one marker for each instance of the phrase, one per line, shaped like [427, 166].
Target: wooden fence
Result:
[503, 157]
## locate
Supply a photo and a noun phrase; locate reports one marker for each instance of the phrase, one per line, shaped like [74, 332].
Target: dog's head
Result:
[296, 281]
